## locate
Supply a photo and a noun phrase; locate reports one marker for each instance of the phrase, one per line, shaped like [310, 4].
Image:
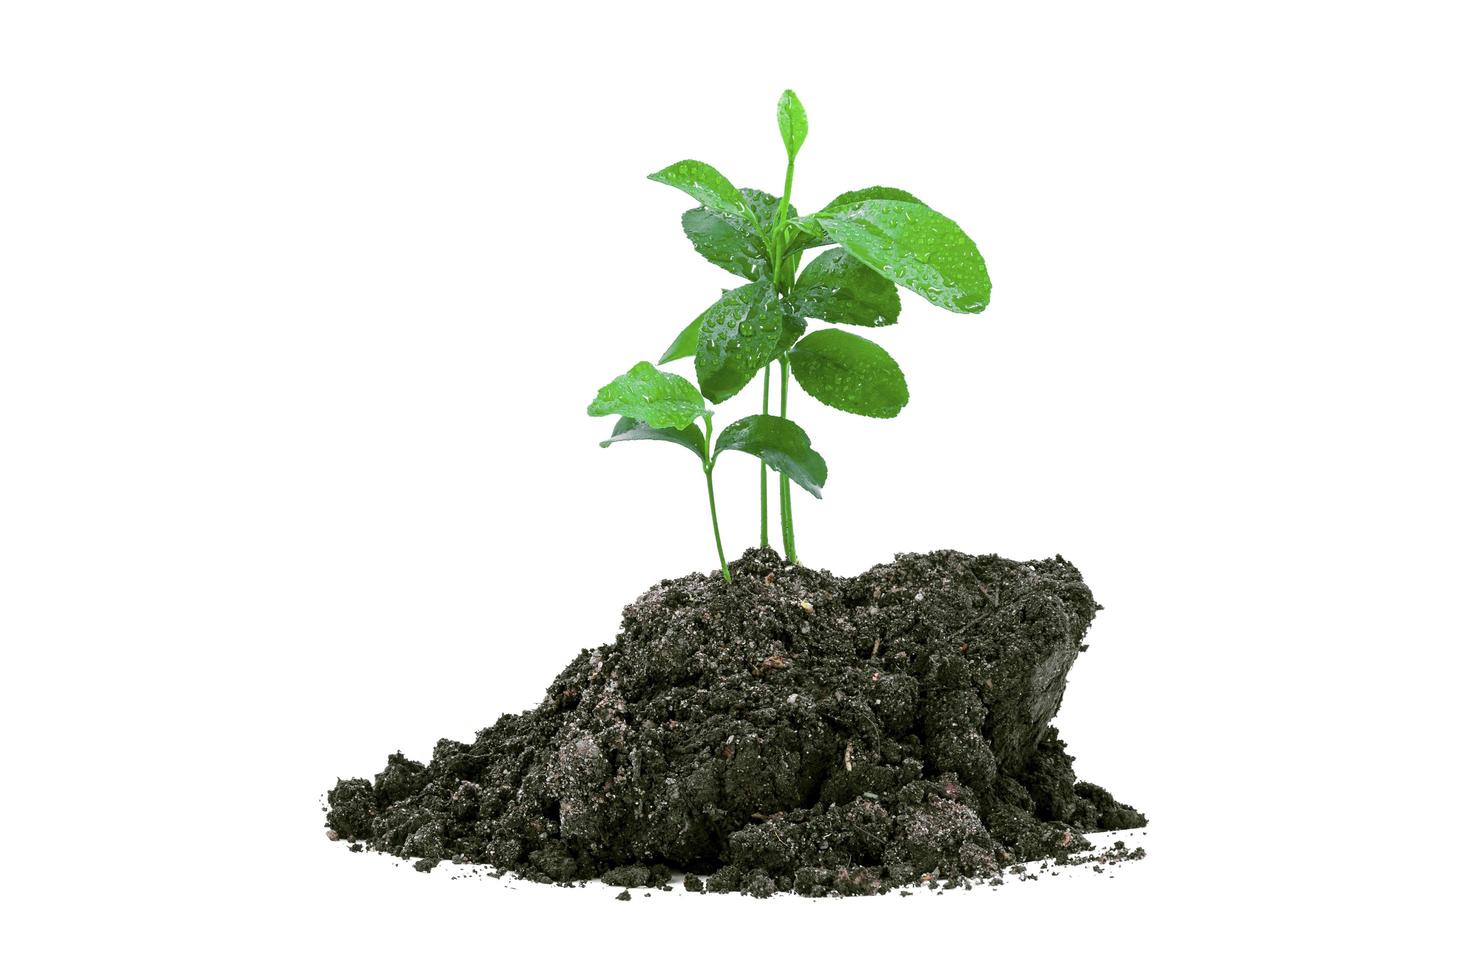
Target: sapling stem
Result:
[765, 508]
[785, 200]
[788, 530]
[778, 261]
[709, 483]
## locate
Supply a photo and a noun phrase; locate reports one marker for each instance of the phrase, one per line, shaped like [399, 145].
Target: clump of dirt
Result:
[791, 730]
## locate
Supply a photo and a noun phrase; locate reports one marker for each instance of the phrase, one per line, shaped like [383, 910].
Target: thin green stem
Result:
[788, 533]
[777, 246]
[709, 483]
[785, 197]
[765, 508]
[788, 529]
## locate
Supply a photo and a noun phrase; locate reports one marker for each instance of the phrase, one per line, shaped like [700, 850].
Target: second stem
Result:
[709, 483]
[765, 509]
[788, 531]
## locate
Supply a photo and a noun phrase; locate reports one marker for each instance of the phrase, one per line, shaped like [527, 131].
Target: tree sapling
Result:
[883, 237]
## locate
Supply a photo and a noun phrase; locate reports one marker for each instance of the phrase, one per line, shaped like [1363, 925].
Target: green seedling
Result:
[843, 265]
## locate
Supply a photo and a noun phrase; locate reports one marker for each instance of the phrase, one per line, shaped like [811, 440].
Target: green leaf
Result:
[645, 393]
[783, 446]
[809, 224]
[732, 243]
[847, 199]
[837, 287]
[738, 336]
[813, 234]
[631, 430]
[849, 373]
[809, 234]
[917, 248]
[706, 185]
[685, 344]
[791, 118]
[793, 325]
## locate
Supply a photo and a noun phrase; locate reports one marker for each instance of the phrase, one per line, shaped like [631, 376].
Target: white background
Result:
[301, 305]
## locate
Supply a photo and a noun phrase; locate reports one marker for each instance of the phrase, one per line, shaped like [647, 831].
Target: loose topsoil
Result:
[789, 730]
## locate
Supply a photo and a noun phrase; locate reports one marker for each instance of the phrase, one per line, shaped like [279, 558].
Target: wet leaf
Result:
[791, 118]
[631, 430]
[782, 444]
[646, 394]
[837, 287]
[706, 185]
[814, 236]
[738, 336]
[732, 243]
[793, 325]
[917, 248]
[685, 344]
[849, 373]
[810, 234]
[876, 193]
[729, 243]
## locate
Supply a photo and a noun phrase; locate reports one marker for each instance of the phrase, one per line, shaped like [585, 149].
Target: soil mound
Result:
[789, 730]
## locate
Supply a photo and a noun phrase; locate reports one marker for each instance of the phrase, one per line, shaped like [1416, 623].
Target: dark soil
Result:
[790, 730]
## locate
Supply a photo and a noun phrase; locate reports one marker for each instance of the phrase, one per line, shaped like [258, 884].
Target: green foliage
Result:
[847, 199]
[837, 287]
[915, 247]
[632, 430]
[731, 243]
[849, 373]
[791, 119]
[814, 236]
[856, 252]
[646, 394]
[706, 185]
[767, 211]
[793, 325]
[685, 344]
[781, 444]
[738, 336]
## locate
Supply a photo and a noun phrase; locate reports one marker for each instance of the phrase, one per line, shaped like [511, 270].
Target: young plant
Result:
[856, 252]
